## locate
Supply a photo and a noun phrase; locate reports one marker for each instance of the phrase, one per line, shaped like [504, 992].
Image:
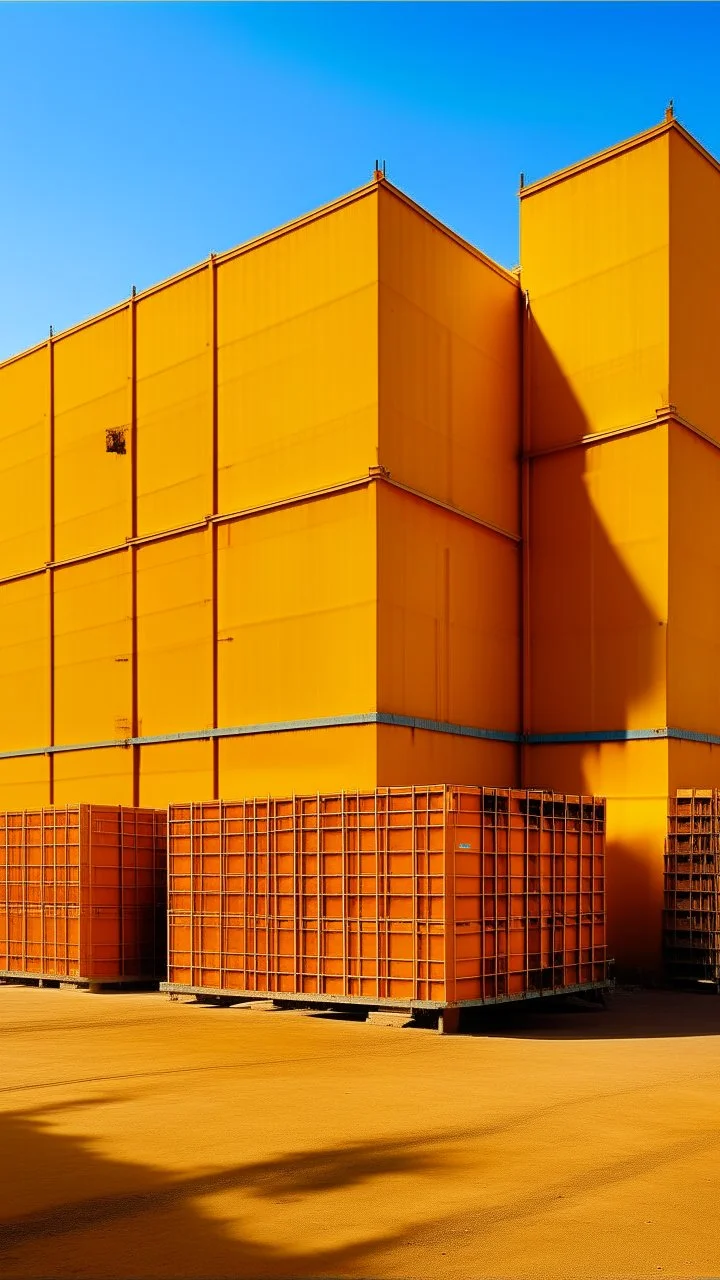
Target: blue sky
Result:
[137, 138]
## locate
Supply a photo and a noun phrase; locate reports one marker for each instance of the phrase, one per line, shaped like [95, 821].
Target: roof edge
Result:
[504, 272]
[226, 256]
[266, 237]
[620, 148]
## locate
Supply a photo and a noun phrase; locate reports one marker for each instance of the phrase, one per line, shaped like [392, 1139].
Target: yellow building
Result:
[353, 506]
[622, 439]
[252, 539]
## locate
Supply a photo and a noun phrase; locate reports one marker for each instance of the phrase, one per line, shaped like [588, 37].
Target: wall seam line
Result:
[385, 718]
[374, 476]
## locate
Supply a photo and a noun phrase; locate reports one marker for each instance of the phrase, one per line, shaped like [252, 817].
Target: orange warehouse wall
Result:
[25, 663]
[598, 586]
[93, 777]
[694, 627]
[327, 759]
[24, 783]
[297, 612]
[297, 359]
[175, 662]
[174, 404]
[448, 626]
[419, 756]
[694, 284]
[93, 391]
[93, 650]
[25, 463]
[633, 777]
[595, 255]
[449, 367]
[693, 765]
[172, 769]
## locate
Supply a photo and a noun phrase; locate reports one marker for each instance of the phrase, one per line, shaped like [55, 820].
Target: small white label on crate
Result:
[464, 846]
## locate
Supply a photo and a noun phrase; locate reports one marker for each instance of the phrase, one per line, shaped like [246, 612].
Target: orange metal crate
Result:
[83, 893]
[691, 918]
[429, 895]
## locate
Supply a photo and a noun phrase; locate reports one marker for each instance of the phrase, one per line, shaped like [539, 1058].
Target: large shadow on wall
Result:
[597, 641]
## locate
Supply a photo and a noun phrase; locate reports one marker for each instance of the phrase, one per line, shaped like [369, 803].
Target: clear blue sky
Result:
[137, 138]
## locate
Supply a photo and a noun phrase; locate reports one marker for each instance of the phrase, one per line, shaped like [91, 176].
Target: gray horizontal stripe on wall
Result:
[599, 735]
[374, 717]
[280, 726]
[622, 735]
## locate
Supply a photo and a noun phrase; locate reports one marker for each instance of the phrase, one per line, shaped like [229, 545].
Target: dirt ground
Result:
[141, 1137]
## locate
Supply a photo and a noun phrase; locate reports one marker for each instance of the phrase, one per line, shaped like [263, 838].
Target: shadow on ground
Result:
[70, 1211]
[627, 1016]
[79, 1213]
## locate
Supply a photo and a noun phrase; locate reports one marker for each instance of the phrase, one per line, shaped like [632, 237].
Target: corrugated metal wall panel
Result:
[310, 759]
[175, 634]
[25, 463]
[93, 650]
[595, 259]
[297, 360]
[93, 777]
[92, 395]
[176, 768]
[297, 612]
[449, 368]
[24, 663]
[24, 782]
[448, 616]
[422, 754]
[174, 404]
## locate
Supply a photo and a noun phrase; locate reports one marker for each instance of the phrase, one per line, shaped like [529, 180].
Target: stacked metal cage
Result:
[692, 888]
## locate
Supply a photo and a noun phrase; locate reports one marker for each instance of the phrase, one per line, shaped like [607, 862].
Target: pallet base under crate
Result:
[11, 977]
[447, 1014]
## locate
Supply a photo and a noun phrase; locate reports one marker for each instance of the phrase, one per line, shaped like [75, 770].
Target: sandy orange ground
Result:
[142, 1138]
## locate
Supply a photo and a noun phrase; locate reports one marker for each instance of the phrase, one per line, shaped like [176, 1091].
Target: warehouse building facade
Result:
[352, 506]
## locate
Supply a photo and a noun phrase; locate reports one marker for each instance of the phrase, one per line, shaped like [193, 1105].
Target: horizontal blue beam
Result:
[375, 717]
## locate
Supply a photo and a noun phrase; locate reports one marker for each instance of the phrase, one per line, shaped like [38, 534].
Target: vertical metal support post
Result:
[135, 709]
[212, 266]
[51, 572]
[525, 646]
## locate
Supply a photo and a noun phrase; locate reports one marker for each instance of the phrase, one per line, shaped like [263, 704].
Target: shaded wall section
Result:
[694, 206]
[694, 570]
[449, 366]
[448, 625]
[595, 251]
[448, 631]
